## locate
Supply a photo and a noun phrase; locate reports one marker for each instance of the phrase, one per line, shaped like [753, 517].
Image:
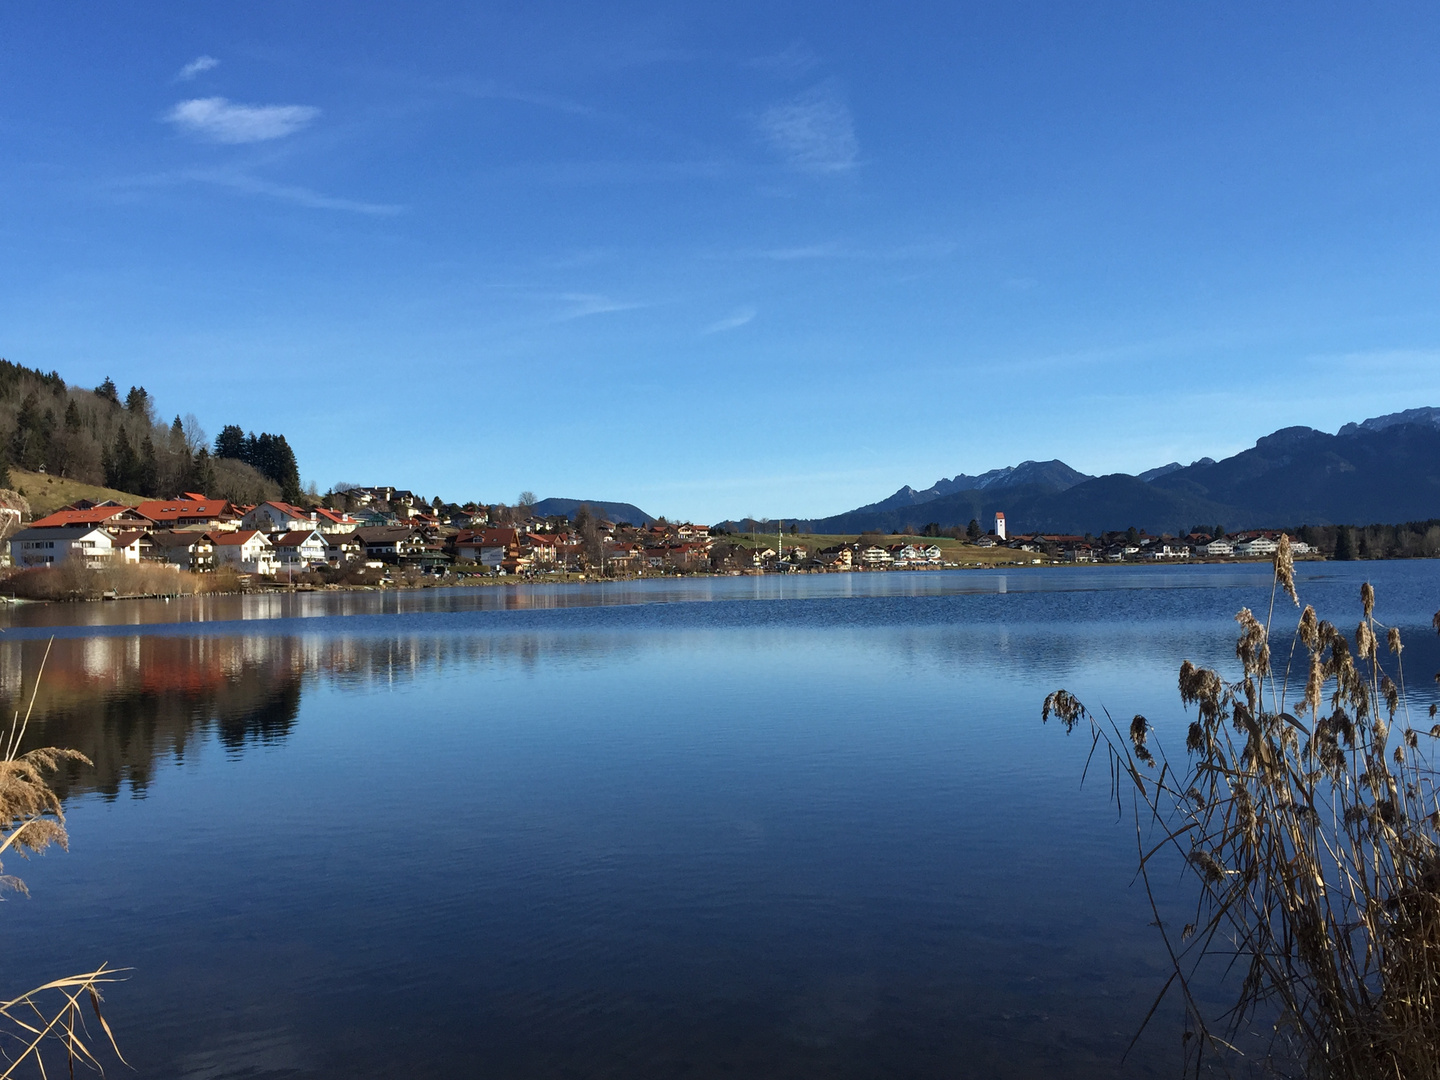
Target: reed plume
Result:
[1311, 833]
[47, 1021]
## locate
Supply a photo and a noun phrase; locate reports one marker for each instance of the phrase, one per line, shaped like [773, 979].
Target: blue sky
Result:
[734, 259]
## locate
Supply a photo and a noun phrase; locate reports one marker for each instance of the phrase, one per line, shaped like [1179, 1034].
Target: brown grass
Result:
[73, 581]
[48, 493]
[47, 1022]
[1311, 832]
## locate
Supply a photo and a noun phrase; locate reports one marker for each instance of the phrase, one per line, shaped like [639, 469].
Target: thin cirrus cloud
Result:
[733, 322]
[195, 67]
[300, 196]
[793, 62]
[224, 121]
[813, 132]
[583, 305]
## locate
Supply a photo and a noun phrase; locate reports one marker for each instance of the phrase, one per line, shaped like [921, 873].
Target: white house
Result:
[300, 549]
[1161, 552]
[1215, 548]
[872, 555]
[272, 517]
[52, 546]
[248, 551]
[1258, 545]
[333, 522]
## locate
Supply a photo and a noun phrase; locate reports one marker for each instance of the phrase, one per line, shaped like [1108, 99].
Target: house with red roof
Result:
[109, 517]
[273, 517]
[246, 550]
[191, 511]
[332, 522]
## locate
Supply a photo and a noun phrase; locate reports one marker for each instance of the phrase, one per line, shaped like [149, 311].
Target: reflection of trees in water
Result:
[130, 702]
[127, 702]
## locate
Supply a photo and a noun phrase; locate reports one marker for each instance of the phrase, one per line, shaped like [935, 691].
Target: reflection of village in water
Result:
[131, 702]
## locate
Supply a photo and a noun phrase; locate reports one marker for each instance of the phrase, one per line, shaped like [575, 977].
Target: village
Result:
[387, 531]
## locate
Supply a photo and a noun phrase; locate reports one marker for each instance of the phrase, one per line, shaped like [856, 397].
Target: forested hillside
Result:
[96, 437]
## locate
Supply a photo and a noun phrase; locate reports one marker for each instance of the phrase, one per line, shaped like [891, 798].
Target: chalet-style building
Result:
[130, 548]
[190, 511]
[300, 549]
[185, 548]
[342, 548]
[53, 545]
[334, 522]
[105, 516]
[272, 517]
[389, 543]
[246, 550]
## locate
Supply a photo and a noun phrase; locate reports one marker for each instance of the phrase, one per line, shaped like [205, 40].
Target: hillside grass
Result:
[47, 494]
[952, 550]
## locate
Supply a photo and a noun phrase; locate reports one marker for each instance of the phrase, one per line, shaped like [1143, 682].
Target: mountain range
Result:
[615, 511]
[1385, 469]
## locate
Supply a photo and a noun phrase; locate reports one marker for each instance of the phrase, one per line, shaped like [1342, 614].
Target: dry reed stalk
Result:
[1313, 835]
[31, 819]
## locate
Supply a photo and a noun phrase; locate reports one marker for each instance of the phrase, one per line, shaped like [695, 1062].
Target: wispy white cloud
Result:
[792, 62]
[813, 132]
[833, 249]
[301, 196]
[582, 305]
[733, 322]
[830, 250]
[220, 120]
[195, 67]
[246, 184]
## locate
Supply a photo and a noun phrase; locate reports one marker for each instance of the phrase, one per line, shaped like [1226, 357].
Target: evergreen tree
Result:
[1344, 544]
[147, 472]
[72, 417]
[137, 402]
[28, 442]
[5, 481]
[122, 465]
[230, 443]
[107, 391]
[201, 476]
[177, 434]
[972, 531]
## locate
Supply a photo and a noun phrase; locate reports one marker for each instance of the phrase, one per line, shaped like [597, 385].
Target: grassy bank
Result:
[951, 550]
[47, 494]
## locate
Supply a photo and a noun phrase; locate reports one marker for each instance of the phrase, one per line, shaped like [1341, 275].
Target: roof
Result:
[125, 539]
[96, 515]
[173, 509]
[287, 509]
[331, 515]
[383, 534]
[295, 536]
[236, 539]
[61, 533]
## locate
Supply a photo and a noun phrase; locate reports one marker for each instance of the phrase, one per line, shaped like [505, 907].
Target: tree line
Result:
[98, 437]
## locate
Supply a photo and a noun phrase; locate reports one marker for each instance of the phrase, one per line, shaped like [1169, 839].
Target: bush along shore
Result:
[1305, 818]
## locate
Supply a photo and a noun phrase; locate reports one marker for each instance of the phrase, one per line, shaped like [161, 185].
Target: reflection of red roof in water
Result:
[162, 665]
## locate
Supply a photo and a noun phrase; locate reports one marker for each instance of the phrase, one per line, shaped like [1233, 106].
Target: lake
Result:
[803, 826]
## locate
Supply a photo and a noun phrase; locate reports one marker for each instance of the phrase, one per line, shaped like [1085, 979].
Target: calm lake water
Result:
[771, 827]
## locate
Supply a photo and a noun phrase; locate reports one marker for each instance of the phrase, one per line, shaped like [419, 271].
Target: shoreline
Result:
[513, 580]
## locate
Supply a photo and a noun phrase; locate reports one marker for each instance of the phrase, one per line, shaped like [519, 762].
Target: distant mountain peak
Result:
[1385, 469]
[1159, 471]
[1427, 415]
